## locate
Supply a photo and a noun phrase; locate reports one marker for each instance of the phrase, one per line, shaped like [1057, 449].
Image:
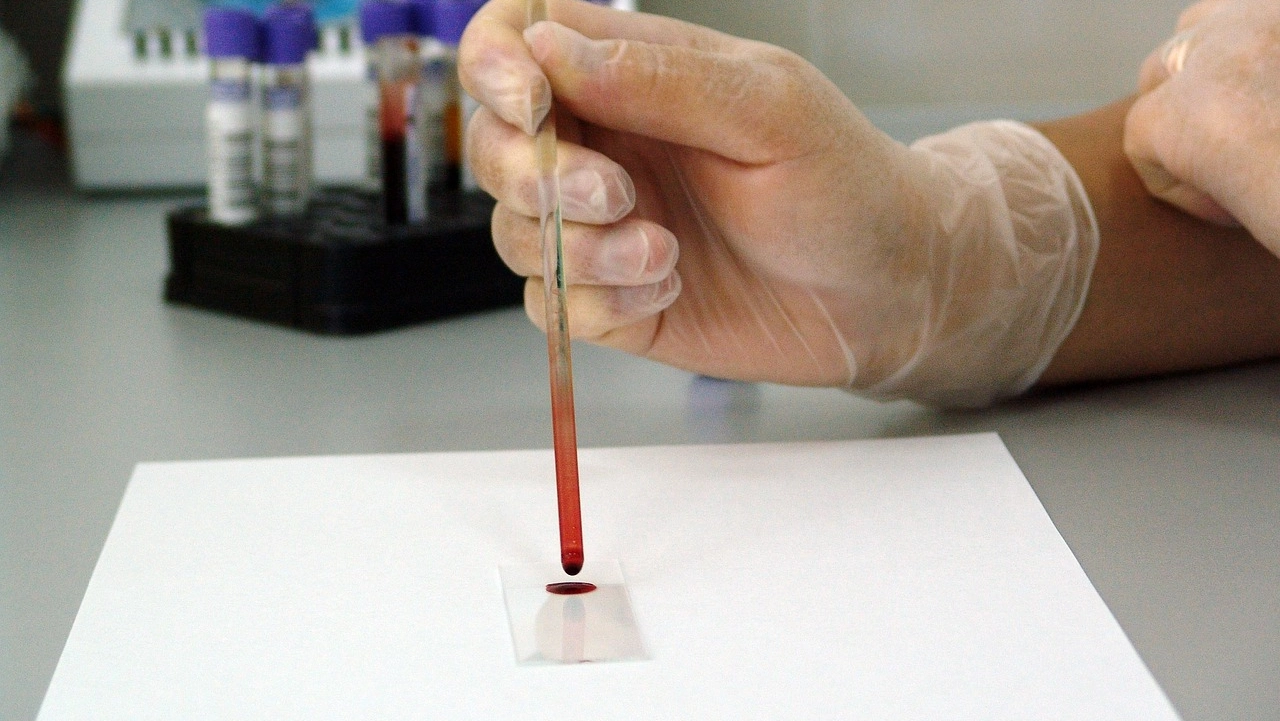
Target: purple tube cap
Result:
[451, 18]
[232, 33]
[289, 34]
[424, 16]
[380, 18]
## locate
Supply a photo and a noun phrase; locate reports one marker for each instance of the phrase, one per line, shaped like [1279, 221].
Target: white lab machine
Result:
[135, 86]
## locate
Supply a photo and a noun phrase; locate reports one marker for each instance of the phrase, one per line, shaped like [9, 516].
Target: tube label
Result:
[285, 171]
[229, 130]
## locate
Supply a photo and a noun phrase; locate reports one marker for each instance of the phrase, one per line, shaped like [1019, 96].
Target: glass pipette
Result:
[564, 429]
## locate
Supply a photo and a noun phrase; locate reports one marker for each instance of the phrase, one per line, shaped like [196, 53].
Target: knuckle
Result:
[785, 60]
[636, 64]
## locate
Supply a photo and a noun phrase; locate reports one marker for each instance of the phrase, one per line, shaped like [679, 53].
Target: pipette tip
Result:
[571, 562]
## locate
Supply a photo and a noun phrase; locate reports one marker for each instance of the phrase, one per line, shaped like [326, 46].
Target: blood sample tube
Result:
[435, 96]
[387, 28]
[233, 42]
[451, 18]
[373, 137]
[290, 34]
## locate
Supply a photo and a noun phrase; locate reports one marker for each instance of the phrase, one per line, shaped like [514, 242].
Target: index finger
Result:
[497, 69]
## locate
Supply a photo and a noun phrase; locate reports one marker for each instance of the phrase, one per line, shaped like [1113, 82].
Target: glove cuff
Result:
[1012, 242]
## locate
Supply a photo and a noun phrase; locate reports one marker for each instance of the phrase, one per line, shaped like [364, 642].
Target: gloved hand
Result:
[730, 212]
[1203, 134]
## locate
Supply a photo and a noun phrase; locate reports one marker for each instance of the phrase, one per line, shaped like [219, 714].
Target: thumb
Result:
[751, 105]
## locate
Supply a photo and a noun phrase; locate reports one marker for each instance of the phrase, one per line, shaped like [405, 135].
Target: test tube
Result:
[424, 23]
[233, 42]
[290, 34]
[435, 96]
[451, 18]
[387, 28]
[373, 138]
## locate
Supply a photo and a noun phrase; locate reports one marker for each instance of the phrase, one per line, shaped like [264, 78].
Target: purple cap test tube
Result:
[382, 18]
[232, 33]
[290, 33]
[233, 42]
[424, 21]
[392, 45]
[451, 18]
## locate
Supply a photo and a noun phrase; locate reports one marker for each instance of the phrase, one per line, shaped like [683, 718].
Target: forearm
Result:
[1170, 292]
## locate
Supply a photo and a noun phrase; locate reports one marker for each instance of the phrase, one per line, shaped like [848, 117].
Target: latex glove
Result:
[812, 249]
[1204, 137]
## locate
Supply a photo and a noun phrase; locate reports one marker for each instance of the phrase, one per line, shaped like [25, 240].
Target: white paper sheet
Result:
[888, 579]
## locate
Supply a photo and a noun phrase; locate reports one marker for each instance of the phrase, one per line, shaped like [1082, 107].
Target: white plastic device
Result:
[135, 97]
[135, 102]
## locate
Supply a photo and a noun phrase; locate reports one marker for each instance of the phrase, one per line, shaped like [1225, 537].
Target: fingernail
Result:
[589, 197]
[539, 105]
[517, 92]
[632, 254]
[645, 300]
[546, 38]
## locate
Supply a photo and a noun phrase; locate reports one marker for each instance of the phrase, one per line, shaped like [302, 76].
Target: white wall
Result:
[1014, 54]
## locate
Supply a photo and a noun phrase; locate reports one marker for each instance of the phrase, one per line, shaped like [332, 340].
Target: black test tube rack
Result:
[339, 270]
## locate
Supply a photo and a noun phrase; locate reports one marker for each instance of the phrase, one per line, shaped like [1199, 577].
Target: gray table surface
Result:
[1167, 490]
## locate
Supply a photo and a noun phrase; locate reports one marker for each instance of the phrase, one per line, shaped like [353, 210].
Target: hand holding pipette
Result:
[813, 249]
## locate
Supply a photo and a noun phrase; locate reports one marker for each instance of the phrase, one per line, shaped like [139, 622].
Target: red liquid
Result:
[392, 125]
[395, 198]
[565, 433]
[570, 588]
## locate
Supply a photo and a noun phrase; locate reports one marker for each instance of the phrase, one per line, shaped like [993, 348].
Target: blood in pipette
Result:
[570, 588]
[565, 439]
